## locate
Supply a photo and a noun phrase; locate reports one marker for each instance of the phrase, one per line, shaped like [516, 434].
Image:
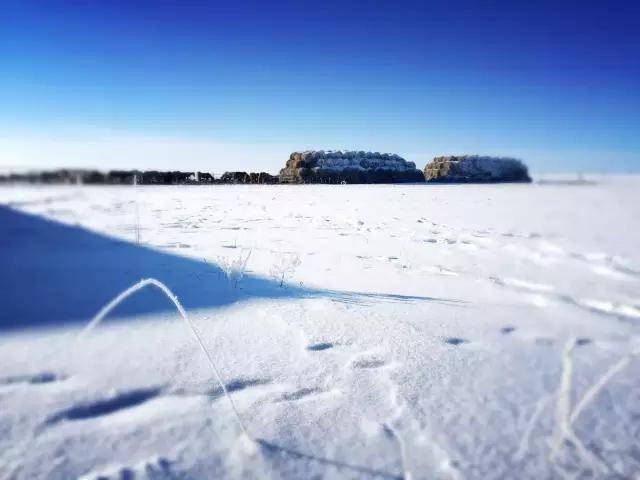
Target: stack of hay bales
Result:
[348, 167]
[475, 169]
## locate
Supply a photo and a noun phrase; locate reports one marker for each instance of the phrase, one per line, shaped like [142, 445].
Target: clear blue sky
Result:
[238, 85]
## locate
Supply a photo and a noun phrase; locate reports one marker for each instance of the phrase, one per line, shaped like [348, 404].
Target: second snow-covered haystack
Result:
[348, 167]
[475, 169]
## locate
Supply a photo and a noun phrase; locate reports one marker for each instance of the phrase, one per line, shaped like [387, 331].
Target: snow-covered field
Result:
[420, 331]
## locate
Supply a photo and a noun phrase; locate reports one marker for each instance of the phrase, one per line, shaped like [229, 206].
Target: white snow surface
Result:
[421, 331]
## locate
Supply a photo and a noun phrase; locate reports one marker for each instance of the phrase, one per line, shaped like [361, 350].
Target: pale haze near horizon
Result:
[119, 151]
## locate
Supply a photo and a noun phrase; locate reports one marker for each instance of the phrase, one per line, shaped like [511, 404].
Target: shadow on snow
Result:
[52, 273]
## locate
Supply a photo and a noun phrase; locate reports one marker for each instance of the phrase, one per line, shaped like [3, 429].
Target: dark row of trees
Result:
[129, 177]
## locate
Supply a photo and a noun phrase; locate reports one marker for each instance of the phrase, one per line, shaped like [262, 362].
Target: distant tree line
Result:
[308, 167]
[129, 177]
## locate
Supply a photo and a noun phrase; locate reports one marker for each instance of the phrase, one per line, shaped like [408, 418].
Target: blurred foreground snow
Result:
[421, 331]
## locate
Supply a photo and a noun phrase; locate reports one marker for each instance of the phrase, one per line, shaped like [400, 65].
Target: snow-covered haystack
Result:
[475, 169]
[350, 167]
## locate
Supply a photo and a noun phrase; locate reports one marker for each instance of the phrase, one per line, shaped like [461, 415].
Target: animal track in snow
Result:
[618, 310]
[439, 270]
[619, 267]
[368, 362]
[455, 341]
[617, 264]
[174, 245]
[301, 394]
[507, 329]
[317, 347]
[234, 385]
[614, 309]
[105, 406]
[237, 385]
[152, 468]
[522, 284]
[36, 379]
[526, 235]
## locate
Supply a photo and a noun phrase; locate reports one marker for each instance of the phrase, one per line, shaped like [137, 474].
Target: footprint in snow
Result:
[236, 385]
[299, 394]
[105, 406]
[153, 468]
[317, 347]
[216, 392]
[366, 363]
[582, 341]
[455, 341]
[507, 330]
[37, 379]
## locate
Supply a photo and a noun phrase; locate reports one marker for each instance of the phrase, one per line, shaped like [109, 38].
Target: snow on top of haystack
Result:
[495, 165]
[478, 159]
[339, 160]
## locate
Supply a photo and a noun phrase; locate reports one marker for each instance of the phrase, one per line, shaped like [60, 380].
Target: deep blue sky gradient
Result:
[557, 83]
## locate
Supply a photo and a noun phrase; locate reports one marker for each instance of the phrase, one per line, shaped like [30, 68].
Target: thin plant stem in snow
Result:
[95, 321]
